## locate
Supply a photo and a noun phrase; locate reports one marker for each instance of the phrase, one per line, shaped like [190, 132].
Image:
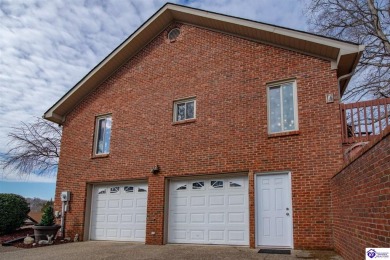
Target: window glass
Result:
[101, 191]
[234, 184]
[181, 110]
[128, 189]
[141, 190]
[190, 110]
[197, 185]
[288, 107]
[114, 190]
[182, 187]
[184, 109]
[103, 135]
[217, 184]
[275, 112]
[282, 108]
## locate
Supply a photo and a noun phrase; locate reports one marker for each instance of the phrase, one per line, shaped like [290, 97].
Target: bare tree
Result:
[34, 148]
[365, 22]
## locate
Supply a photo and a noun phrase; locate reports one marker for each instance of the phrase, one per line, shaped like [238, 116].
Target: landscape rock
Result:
[28, 240]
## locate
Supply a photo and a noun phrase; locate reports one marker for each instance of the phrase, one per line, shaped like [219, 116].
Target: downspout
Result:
[342, 113]
[349, 75]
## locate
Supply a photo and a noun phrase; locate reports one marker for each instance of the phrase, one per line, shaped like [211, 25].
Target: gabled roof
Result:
[343, 55]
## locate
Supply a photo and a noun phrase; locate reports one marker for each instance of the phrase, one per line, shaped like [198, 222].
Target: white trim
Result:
[257, 210]
[295, 97]
[183, 101]
[90, 211]
[349, 47]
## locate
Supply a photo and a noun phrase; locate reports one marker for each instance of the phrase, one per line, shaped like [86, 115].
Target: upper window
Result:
[103, 134]
[184, 109]
[282, 107]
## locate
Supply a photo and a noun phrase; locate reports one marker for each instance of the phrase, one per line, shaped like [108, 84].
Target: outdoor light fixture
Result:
[155, 169]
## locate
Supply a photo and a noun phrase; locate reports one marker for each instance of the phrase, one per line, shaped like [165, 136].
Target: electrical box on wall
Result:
[65, 196]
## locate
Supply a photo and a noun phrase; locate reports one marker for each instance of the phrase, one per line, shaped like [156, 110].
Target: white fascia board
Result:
[346, 47]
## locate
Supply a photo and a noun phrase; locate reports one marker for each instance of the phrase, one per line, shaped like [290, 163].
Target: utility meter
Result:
[65, 196]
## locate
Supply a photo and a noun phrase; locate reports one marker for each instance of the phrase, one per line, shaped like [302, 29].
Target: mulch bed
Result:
[16, 234]
[23, 233]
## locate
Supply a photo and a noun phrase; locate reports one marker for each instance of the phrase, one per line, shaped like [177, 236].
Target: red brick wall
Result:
[228, 76]
[361, 201]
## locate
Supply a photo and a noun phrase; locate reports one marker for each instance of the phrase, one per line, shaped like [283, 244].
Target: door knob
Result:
[287, 208]
[287, 214]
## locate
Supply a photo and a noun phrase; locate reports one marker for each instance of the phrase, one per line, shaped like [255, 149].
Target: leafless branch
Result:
[34, 148]
[365, 22]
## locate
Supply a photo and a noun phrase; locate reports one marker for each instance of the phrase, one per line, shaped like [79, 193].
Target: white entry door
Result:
[209, 211]
[274, 212]
[118, 212]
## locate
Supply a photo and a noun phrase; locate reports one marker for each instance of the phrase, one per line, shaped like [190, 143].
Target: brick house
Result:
[208, 129]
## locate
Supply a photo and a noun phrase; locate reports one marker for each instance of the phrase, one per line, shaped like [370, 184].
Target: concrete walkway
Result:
[122, 250]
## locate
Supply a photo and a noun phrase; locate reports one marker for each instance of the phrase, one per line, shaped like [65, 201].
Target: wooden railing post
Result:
[358, 129]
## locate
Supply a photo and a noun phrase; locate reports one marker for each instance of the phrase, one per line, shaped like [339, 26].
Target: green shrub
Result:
[13, 211]
[48, 203]
[47, 217]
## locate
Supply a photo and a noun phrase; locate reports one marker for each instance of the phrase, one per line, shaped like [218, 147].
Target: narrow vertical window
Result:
[184, 110]
[282, 108]
[103, 135]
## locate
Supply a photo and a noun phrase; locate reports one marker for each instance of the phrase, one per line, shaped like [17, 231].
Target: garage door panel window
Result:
[235, 184]
[199, 185]
[114, 189]
[181, 187]
[101, 191]
[142, 189]
[128, 189]
[216, 184]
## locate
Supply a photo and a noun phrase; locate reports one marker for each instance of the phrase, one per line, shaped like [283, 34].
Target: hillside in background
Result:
[36, 204]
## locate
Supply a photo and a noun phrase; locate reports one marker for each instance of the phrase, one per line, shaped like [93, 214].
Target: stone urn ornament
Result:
[47, 227]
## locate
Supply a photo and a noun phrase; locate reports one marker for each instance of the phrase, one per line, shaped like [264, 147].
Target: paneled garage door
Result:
[118, 212]
[209, 211]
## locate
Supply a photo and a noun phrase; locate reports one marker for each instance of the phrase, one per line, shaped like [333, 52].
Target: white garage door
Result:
[209, 211]
[118, 212]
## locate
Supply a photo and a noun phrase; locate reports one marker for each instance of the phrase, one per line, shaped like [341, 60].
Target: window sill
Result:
[184, 122]
[96, 156]
[282, 134]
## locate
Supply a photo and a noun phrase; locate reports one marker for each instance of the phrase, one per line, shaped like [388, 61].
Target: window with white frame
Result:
[282, 107]
[184, 109]
[103, 135]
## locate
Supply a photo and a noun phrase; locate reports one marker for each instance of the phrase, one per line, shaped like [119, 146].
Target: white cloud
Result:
[6, 176]
[48, 46]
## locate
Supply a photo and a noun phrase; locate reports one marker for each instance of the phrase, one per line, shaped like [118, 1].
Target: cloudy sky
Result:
[46, 47]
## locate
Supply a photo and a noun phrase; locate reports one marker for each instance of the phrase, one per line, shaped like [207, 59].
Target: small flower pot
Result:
[41, 232]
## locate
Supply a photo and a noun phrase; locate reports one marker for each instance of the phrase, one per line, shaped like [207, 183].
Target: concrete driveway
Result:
[122, 250]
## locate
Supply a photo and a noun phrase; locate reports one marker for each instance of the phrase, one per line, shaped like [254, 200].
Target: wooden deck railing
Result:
[362, 121]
